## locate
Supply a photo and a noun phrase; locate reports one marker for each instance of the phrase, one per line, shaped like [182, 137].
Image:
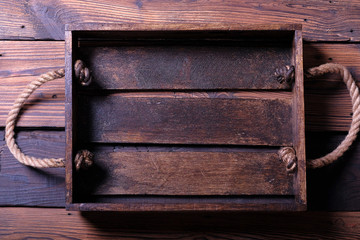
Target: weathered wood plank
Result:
[113, 118]
[22, 62]
[298, 116]
[22, 223]
[46, 19]
[320, 53]
[187, 67]
[193, 173]
[25, 186]
[327, 104]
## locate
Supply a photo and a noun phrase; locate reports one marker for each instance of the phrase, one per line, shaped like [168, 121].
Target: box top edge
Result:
[181, 27]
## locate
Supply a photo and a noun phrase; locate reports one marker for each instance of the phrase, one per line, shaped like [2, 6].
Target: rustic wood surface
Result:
[20, 223]
[193, 173]
[323, 21]
[23, 186]
[333, 24]
[185, 120]
[186, 67]
[22, 62]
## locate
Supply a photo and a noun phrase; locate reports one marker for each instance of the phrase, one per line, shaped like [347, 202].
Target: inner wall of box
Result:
[172, 117]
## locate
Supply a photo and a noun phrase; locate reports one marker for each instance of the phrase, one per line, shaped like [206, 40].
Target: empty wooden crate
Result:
[184, 117]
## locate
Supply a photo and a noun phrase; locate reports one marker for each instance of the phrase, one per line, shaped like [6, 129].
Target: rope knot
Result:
[285, 74]
[82, 73]
[83, 160]
[288, 156]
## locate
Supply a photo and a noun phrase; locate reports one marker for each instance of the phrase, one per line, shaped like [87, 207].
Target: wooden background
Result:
[31, 42]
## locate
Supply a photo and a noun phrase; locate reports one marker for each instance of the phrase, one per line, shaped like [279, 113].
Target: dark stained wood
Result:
[70, 112]
[106, 114]
[162, 205]
[187, 67]
[323, 21]
[25, 186]
[119, 119]
[193, 173]
[298, 120]
[320, 53]
[22, 223]
[328, 106]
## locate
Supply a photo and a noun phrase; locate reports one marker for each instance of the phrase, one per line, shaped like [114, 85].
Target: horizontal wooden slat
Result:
[327, 102]
[47, 223]
[323, 21]
[186, 67]
[193, 173]
[22, 62]
[114, 118]
[187, 30]
[24, 186]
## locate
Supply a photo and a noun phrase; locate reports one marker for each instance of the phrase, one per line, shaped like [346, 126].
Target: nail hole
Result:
[330, 59]
[54, 96]
[351, 114]
[69, 213]
[330, 1]
[351, 30]
[22, 26]
[305, 20]
[0, 54]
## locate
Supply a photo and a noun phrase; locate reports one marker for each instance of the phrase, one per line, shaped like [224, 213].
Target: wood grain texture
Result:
[193, 173]
[22, 223]
[198, 66]
[113, 118]
[298, 115]
[188, 30]
[22, 62]
[327, 104]
[323, 21]
[25, 186]
[327, 101]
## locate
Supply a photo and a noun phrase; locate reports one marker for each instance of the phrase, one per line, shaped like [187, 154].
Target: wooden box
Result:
[185, 117]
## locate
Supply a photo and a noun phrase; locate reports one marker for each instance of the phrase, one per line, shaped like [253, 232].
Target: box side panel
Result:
[299, 122]
[69, 115]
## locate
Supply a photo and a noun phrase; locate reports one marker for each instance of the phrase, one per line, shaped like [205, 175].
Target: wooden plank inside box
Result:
[185, 117]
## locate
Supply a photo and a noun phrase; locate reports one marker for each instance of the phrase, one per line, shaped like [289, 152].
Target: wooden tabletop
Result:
[32, 42]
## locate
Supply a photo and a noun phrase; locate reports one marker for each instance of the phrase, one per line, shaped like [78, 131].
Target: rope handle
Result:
[11, 121]
[355, 122]
[83, 157]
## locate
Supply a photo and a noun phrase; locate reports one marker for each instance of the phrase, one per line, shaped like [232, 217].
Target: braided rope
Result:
[11, 121]
[355, 123]
[288, 156]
